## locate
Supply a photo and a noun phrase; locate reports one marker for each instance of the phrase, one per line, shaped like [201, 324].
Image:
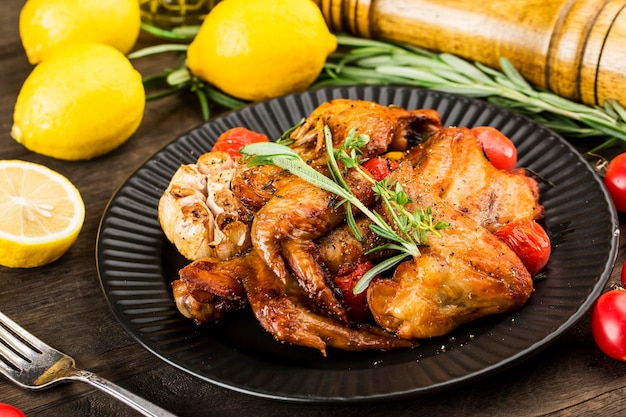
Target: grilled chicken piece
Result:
[283, 232]
[255, 186]
[390, 128]
[209, 288]
[452, 165]
[285, 311]
[466, 273]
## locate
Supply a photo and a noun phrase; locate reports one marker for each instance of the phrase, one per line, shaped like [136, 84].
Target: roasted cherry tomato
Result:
[615, 181]
[623, 275]
[7, 410]
[499, 149]
[236, 138]
[608, 323]
[345, 280]
[380, 167]
[529, 241]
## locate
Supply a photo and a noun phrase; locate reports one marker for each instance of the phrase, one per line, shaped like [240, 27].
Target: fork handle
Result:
[143, 406]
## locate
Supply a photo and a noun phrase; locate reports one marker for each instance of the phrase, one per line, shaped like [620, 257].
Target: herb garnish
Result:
[368, 61]
[413, 228]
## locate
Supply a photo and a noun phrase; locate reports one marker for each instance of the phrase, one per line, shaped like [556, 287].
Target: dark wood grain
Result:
[574, 48]
[64, 305]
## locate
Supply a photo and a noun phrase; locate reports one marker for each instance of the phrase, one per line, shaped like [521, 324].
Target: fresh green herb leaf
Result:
[389, 263]
[284, 139]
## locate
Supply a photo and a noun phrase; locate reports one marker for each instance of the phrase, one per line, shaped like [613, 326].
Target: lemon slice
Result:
[41, 214]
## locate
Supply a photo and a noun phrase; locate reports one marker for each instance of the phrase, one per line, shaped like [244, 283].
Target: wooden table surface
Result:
[64, 305]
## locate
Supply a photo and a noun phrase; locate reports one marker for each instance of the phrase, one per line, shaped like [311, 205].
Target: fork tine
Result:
[27, 338]
[16, 344]
[6, 351]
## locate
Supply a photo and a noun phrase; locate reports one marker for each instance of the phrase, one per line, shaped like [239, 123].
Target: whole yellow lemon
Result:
[81, 102]
[45, 25]
[259, 49]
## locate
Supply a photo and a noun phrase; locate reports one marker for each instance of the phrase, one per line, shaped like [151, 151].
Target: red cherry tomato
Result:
[615, 181]
[529, 241]
[7, 410]
[345, 280]
[236, 138]
[380, 167]
[499, 149]
[608, 323]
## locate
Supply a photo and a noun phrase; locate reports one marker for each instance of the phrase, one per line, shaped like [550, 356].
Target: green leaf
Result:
[475, 91]
[513, 74]
[354, 228]
[411, 75]
[179, 76]
[465, 68]
[389, 263]
[367, 76]
[183, 33]
[455, 77]
[618, 108]
[223, 99]
[157, 49]
[268, 149]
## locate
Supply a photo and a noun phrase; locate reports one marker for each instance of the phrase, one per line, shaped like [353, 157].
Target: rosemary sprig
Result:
[413, 227]
[366, 61]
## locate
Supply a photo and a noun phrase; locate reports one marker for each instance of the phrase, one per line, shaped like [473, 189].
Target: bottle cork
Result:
[575, 48]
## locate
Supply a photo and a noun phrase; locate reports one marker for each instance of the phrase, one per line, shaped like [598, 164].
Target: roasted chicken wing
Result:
[209, 288]
[390, 128]
[467, 272]
[285, 311]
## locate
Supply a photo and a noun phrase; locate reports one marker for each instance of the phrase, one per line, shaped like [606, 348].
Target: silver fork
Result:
[32, 364]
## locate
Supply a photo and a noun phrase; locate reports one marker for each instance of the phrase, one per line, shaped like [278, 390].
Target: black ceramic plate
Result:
[136, 265]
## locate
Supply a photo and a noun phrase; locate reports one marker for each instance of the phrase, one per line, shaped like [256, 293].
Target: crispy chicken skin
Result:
[452, 165]
[209, 288]
[467, 272]
[390, 128]
[255, 186]
[285, 311]
[283, 232]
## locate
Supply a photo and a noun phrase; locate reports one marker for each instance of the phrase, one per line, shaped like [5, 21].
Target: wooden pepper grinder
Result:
[575, 48]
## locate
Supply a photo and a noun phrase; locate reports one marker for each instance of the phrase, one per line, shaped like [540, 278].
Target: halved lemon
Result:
[41, 214]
